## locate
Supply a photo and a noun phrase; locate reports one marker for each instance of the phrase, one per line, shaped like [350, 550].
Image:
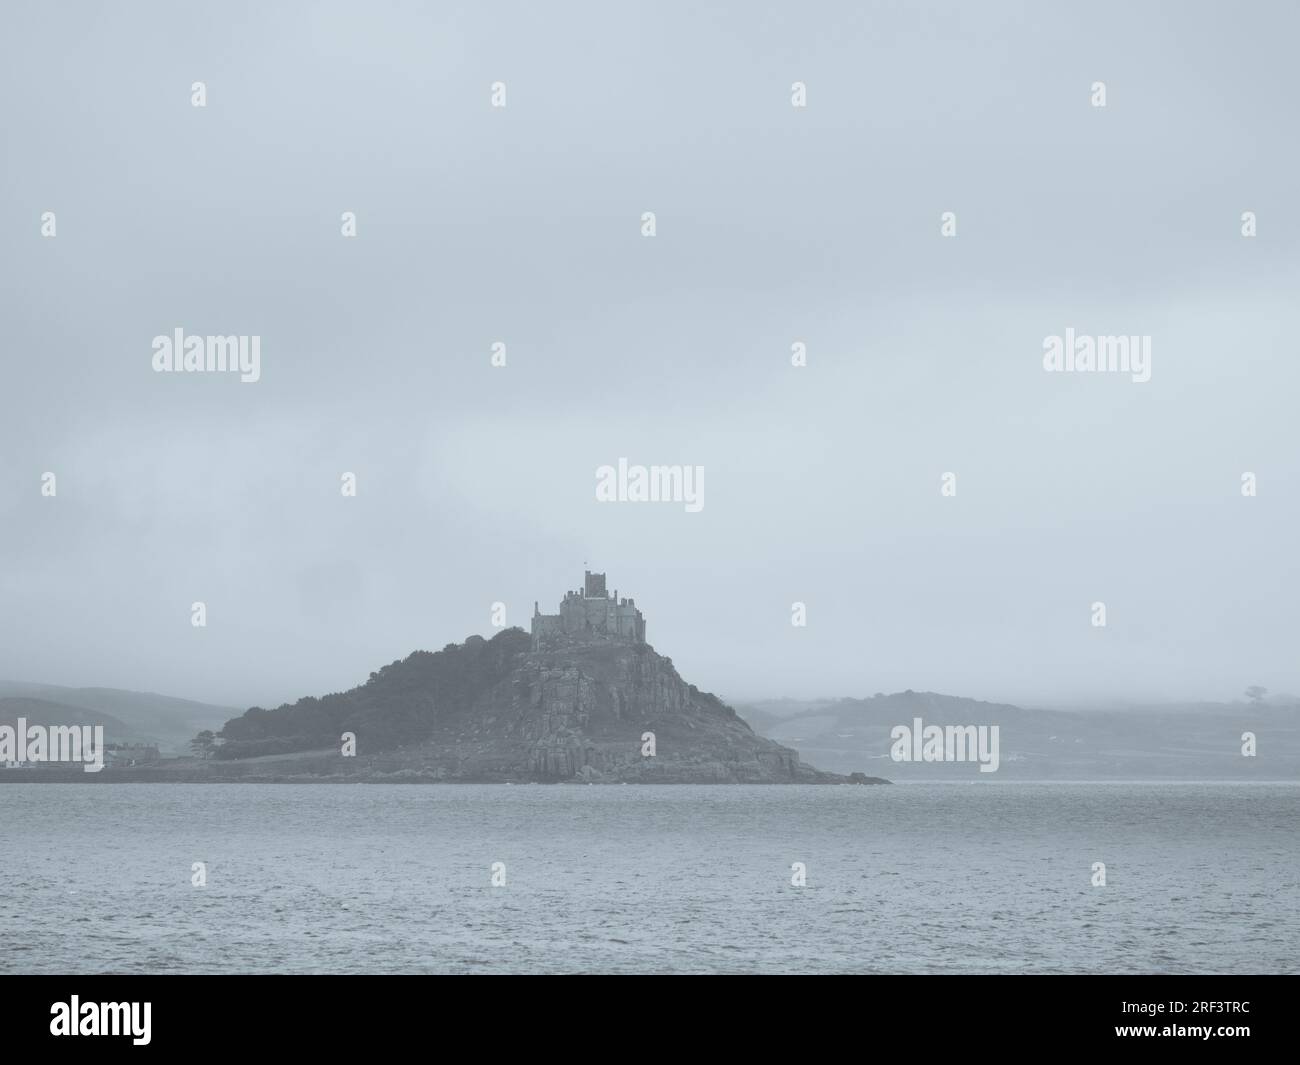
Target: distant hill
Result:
[1192, 741]
[44, 712]
[168, 722]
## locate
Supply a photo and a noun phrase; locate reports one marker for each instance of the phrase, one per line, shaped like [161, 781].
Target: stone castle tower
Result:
[590, 613]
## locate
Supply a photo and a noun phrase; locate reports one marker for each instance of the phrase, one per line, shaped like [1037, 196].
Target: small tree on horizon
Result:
[1255, 693]
[204, 743]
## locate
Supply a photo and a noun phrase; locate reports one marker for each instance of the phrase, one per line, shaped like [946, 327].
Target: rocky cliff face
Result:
[592, 710]
[582, 709]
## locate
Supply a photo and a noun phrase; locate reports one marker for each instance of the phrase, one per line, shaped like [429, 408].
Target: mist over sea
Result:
[943, 877]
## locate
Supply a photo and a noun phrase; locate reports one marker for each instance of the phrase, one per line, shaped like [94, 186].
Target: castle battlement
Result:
[590, 612]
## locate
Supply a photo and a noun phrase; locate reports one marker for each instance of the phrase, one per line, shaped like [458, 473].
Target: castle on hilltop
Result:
[590, 613]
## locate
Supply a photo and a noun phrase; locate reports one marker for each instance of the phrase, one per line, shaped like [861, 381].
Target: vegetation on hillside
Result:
[398, 705]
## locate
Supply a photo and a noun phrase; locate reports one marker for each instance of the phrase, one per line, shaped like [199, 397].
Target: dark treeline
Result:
[398, 705]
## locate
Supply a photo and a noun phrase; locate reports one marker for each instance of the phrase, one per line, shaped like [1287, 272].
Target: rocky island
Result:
[582, 698]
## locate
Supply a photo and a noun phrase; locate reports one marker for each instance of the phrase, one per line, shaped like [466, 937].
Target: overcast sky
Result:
[775, 224]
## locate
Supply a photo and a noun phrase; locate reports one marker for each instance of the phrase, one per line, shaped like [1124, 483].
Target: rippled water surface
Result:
[914, 877]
